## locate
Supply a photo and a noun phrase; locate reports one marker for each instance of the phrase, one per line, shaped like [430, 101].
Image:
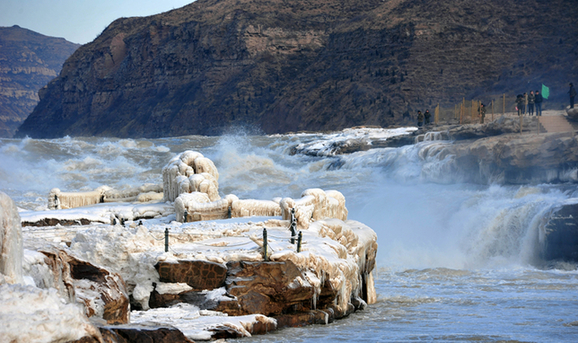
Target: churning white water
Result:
[456, 261]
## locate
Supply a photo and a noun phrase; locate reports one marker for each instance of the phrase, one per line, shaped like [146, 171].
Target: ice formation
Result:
[10, 240]
[196, 196]
[58, 200]
[314, 204]
[106, 213]
[30, 314]
[190, 172]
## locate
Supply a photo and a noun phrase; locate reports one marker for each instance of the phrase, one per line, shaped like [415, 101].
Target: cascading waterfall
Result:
[413, 196]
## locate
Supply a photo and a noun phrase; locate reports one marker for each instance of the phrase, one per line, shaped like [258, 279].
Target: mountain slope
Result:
[28, 61]
[285, 66]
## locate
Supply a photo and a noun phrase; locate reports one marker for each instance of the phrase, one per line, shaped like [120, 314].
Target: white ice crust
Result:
[326, 144]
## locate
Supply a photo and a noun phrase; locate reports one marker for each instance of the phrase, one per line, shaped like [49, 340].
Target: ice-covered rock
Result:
[190, 172]
[62, 200]
[58, 200]
[10, 240]
[251, 207]
[198, 206]
[314, 204]
[30, 314]
[103, 293]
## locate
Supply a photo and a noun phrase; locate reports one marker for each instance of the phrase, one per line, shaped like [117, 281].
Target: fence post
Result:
[299, 242]
[265, 244]
[166, 239]
[293, 233]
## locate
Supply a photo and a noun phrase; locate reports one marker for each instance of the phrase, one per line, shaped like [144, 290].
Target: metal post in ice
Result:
[185, 215]
[265, 244]
[299, 242]
[167, 240]
[293, 233]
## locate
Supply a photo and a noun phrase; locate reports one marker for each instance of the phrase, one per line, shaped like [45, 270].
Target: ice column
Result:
[11, 251]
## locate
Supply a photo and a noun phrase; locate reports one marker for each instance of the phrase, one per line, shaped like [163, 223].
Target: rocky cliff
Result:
[282, 66]
[28, 61]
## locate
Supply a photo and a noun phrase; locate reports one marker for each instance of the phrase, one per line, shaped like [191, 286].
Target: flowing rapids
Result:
[456, 261]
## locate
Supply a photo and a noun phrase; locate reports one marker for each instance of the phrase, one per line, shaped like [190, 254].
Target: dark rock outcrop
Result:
[559, 236]
[56, 221]
[285, 66]
[138, 334]
[199, 274]
[28, 61]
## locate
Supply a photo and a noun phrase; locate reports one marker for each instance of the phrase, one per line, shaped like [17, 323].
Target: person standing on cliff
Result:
[482, 112]
[419, 119]
[572, 93]
[538, 100]
[531, 99]
[520, 104]
[427, 116]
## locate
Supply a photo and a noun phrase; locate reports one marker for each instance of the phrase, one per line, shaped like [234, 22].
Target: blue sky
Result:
[78, 21]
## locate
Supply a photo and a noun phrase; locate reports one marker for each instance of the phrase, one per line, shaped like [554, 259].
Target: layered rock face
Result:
[312, 65]
[28, 61]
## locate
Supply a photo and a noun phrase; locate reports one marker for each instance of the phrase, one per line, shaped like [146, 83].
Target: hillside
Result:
[28, 61]
[280, 66]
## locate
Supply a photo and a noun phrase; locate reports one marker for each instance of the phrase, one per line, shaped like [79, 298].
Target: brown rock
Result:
[112, 289]
[305, 318]
[137, 334]
[196, 298]
[268, 288]
[198, 274]
[257, 328]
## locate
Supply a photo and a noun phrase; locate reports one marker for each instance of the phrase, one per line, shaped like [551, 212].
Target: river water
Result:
[457, 261]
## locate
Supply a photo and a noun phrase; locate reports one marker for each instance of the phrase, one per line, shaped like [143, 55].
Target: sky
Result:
[78, 21]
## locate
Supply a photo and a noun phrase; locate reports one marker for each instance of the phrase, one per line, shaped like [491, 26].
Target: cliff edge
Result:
[28, 61]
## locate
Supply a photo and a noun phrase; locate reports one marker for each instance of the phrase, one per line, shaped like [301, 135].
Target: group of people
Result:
[525, 103]
[528, 102]
[423, 116]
